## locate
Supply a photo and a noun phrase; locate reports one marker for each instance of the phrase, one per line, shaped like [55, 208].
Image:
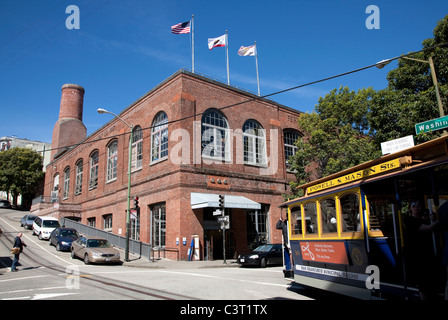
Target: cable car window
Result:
[310, 217]
[350, 213]
[381, 215]
[328, 211]
[296, 219]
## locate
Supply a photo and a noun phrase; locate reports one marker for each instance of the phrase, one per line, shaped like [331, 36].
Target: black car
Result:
[266, 254]
[5, 204]
[62, 238]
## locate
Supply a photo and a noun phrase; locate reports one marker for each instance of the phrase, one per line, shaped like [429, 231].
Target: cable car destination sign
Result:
[358, 175]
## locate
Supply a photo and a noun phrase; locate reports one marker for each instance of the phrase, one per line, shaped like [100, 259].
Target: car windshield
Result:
[31, 217]
[69, 233]
[50, 224]
[98, 243]
[264, 248]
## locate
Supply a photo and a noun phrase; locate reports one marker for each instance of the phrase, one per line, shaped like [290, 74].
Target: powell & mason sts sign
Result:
[361, 174]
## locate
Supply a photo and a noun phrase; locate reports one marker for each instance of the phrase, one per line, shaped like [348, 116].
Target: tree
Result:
[336, 135]
[410, 96]
[347, 127]
[20, 173]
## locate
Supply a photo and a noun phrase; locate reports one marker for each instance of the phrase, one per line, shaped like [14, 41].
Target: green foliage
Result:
[20, 171]
[410, 96]
[347, 127]
[335, 135]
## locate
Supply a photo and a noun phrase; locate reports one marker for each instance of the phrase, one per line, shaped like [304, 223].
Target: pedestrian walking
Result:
[17, 250]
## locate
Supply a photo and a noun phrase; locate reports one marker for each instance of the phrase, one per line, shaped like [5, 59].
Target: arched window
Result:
[159, 137]
[78, 181]
[254, 140]
[112, 159]
[137, 148]
[66, 183]
[93, 178]
[289, 139]
[215, 135]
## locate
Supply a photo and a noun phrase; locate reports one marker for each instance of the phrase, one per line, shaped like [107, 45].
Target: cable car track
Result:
[121, 288]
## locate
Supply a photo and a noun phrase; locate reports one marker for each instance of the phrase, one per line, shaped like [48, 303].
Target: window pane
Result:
[296, 220]
[350, 212]
[311, 217]
[93, 170]
[214, 135]
[159, 137]
[290, 138]
[254, 143]
[78, 182]
[328, 210]
[381, 215]
[137, 148]
[112, 161]
[66, 183]
[158, 225]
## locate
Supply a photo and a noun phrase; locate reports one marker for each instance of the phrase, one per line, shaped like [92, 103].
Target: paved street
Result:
[45, 273]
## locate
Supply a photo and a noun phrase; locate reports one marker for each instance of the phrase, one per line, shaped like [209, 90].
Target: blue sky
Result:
[125, 48]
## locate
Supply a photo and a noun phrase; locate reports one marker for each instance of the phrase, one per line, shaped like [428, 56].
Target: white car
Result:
[43, 226]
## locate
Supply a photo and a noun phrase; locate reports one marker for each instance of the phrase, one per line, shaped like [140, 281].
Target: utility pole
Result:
[223, 226]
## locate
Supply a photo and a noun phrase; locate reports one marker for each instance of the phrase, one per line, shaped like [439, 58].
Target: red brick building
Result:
[193, 139]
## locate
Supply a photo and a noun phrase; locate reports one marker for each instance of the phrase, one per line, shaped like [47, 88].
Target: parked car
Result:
[62, 238]
[27, 221]
[5, 204]
[266, 254]
[44, 226]
[94, 250]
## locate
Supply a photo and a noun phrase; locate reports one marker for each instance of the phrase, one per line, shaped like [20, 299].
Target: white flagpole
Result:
[256, 65]
[227, 57]
[192, 42]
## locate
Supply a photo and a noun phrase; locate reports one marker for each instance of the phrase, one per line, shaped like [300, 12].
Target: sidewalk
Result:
[173, 264]
[143, 262]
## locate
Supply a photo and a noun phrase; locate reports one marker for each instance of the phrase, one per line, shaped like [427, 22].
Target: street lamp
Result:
[128, 220]
[382, 63]
[434, 80]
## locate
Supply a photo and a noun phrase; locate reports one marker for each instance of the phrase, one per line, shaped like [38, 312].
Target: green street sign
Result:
[431, 125]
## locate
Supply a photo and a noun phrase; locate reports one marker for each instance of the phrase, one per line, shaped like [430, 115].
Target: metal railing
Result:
[136, 247]
[45, 199]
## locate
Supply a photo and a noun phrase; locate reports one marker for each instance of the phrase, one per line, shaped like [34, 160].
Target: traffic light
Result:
[135, 202]
[221, 201]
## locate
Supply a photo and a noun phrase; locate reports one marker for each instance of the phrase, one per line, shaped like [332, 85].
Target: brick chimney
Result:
[69, 129]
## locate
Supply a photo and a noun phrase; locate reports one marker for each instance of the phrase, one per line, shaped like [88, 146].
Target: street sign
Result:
[217, 212]
[396, 145]
[223, 218]
[431, 125]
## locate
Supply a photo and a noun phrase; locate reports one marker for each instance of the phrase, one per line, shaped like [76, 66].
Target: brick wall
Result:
[182, 96]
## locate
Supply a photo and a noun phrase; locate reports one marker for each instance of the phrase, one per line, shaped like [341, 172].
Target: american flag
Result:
[183, 27]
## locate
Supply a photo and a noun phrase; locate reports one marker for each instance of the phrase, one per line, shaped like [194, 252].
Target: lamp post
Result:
[382, 63]
[434, 80]
[128, 220]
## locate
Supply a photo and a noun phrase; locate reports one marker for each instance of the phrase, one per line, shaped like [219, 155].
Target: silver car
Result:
[94, 250]
[27, 221]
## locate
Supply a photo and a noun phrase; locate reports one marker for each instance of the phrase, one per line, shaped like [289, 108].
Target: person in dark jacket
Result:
[18, 243]
[282, 224]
